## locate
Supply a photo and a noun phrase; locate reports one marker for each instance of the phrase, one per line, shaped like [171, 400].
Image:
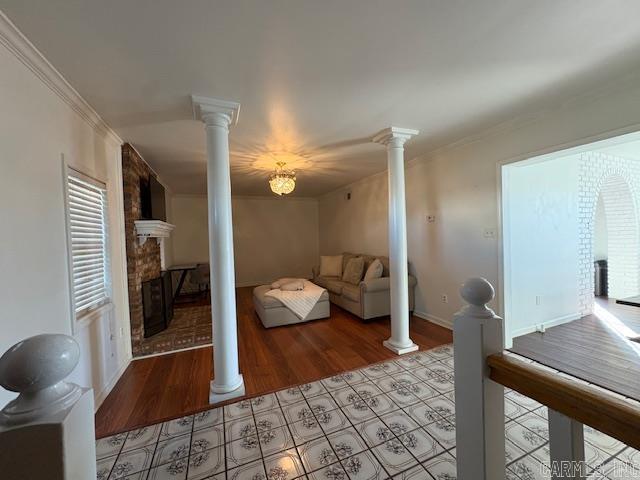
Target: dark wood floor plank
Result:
[158, 388]
[593, 349]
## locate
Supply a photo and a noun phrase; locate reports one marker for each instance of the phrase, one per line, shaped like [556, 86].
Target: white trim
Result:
[152, 229]
[434, 319]
[18, 44]
[87, 317]
[100, 397]
[172, 351]
[544, 325]
[124, 283]
[69, 262]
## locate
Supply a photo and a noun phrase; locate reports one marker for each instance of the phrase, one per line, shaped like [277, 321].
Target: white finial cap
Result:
[36, 369]
[477, 291]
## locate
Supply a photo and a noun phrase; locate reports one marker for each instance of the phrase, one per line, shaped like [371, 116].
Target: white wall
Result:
[38, 127]
[459, 185]
[357, 225]
[273, 237]
[541, 243]
[190, 238]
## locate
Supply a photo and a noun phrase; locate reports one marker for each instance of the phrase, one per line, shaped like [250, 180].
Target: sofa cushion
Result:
[331, 266]
[335, 286]
[374, 270]
[352, 292]
[353, 272]
[346, 256]
[322, 281]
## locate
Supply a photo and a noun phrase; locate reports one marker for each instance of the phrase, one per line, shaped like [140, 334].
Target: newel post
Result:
[48, 430]
[477, 333]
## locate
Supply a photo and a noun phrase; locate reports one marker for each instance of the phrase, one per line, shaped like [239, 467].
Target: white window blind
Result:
[87, 217]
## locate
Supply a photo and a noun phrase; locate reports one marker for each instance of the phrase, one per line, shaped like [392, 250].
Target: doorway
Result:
[567, 216]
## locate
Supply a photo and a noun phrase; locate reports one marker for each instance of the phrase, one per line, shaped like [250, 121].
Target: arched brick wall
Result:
[618, 181]
[622, 232]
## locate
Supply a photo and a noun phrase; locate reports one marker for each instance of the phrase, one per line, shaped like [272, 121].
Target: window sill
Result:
[87, 318]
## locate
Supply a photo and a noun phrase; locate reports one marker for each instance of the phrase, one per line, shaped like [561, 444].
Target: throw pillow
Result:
[278, 283]
[292, 286]
[353, 271]
[374, 270]
[331, 266]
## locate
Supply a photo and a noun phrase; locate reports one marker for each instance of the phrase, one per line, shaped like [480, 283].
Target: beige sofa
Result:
[367, 300]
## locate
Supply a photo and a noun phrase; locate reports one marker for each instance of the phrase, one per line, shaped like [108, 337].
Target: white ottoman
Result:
[273, 312]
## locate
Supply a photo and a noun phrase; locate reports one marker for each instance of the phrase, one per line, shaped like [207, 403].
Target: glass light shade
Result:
[282, 182]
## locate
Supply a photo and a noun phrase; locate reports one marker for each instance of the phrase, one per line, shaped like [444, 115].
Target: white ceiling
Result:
[317, 78]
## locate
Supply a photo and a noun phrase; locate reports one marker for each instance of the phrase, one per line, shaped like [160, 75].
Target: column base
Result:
[400, 350]
[219, 394]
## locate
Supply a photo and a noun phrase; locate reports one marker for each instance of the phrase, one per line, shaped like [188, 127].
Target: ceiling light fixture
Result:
[282, 182]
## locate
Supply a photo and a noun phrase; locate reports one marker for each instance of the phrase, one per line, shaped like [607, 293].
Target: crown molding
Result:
[20, 46]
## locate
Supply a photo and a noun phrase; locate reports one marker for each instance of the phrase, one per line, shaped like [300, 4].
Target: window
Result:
[88, 249]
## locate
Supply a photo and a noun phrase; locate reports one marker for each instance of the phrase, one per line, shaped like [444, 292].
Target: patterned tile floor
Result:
[389, 420]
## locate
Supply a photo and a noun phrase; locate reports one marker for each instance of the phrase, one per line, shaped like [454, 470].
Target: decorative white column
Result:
[217, 115]
[48, 430]
[394, 139]
[477, 333]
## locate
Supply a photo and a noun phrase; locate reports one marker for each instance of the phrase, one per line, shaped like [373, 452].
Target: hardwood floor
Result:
[595, 348]
[158, 388]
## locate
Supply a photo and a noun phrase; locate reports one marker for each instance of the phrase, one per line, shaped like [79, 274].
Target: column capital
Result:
[215, 111]
[394, 135]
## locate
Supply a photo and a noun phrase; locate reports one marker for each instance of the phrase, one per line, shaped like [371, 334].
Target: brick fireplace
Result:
[143, 261]
[191, 324]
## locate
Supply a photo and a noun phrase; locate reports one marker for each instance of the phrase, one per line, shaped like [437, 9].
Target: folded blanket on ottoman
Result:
[300, 302]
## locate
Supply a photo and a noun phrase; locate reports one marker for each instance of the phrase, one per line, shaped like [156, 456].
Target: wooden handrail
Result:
[586, 403]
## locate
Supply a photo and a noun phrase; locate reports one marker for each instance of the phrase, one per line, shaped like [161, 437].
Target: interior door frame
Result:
[581, 145]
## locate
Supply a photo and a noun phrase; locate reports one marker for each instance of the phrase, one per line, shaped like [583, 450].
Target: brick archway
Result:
[598, 173]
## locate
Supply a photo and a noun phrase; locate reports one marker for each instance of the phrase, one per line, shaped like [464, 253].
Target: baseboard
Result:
[253, 283]
[104, 393]
[448, 324]
[169, 352]
[548, 324]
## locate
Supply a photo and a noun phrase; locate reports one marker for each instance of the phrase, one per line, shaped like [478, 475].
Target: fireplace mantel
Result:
[152, 229]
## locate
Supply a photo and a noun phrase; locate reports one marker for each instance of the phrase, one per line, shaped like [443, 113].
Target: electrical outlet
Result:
[538, 300]
[445, 299]
[489, 233]
[121, 332]
[431, 218]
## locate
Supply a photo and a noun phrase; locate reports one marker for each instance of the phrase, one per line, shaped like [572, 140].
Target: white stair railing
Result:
[480, 437]
[478, 333]
[48, 431]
